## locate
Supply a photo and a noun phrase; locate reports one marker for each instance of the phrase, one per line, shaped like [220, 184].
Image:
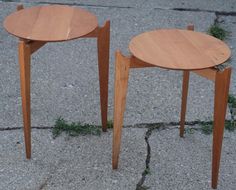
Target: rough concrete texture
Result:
[185, 163]
[70, 163]
[209, 5]
[85, 162]
[65, 83]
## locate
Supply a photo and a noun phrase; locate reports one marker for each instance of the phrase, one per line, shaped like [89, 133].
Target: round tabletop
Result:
[50, 23]
[179, 49]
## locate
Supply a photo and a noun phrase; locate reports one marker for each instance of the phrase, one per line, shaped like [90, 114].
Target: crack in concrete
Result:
[139, 125]
[216, 20]
[72, 4]
[19, 128]
[165, 124]
[146, 171]
[86, 5]
[219, 13]
[158, 126]
[140, 185]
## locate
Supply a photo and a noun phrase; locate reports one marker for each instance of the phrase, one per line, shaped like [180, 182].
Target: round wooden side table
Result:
[183, 50]
[39, 25]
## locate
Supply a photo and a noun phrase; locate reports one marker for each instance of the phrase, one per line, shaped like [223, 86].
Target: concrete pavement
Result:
[65, 83]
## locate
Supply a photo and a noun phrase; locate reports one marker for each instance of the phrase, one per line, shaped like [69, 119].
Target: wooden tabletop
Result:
[179, 49]
[50, 23]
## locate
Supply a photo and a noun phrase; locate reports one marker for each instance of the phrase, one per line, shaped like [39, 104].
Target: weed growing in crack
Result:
[232, 101]
[147, 171]
[217, 31]
[230, 125]
[189, 130]
[110, 124]
[206, 127]
[74, 129]
[140, 185]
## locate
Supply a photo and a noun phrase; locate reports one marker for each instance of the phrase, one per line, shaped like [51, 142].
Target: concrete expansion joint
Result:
[21, 128]
[218, 13]
[216, 20]
[160, 125]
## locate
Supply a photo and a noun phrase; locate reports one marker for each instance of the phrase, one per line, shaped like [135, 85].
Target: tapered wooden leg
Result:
[184, 94]
[184, 101]
[222, 82]
[122, 66]
[103, 65]
[24, 61]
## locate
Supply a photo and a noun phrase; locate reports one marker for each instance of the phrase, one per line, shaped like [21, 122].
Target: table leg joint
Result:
[35, 45]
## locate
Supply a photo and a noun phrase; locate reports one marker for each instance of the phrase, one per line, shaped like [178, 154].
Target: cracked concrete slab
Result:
[185, 163]
[212, 5]
[65, 83]
[209, 5]
[84, 162]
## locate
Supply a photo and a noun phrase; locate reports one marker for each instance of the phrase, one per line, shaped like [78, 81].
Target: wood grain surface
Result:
[50, 23]
[179, 49]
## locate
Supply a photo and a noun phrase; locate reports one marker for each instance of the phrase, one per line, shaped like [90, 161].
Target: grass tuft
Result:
[110, 124]
[217, 31]
[232, 101]
[207, 127]
[147, 171]
[74, 129]
[230, 125]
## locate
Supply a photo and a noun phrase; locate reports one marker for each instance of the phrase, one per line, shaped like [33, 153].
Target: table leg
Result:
[103, 43]
[24, 61]
[222, 82]
[122, 66]
[184, 101]
[184, 94]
